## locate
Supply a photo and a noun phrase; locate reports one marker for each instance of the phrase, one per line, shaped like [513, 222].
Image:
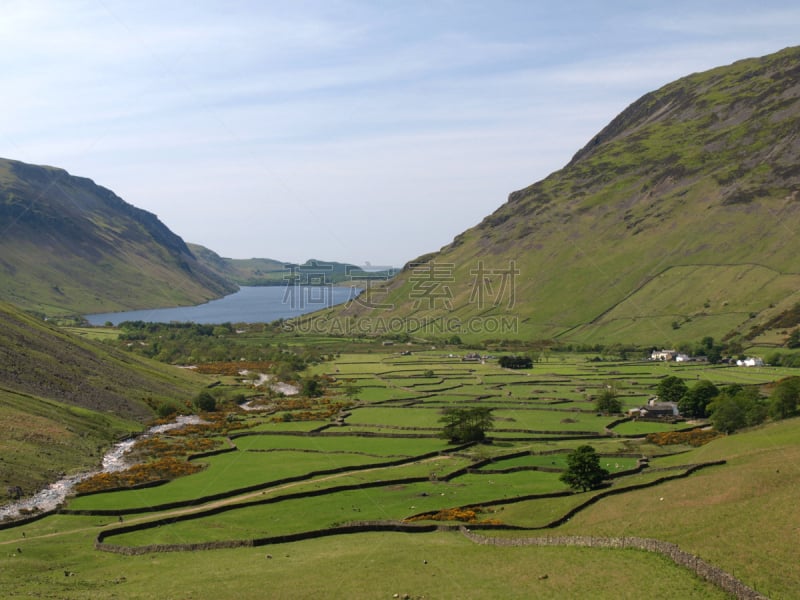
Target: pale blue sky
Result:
[342, 130]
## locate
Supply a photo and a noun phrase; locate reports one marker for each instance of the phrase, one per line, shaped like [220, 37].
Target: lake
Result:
[248, 305]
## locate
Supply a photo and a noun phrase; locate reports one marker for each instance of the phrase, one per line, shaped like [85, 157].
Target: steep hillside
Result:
[45, 361]
[677, 221]
[63, 399]
[68, 245]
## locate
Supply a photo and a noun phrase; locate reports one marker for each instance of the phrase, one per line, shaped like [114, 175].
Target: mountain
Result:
[267, 271]
[47, 361]
[68, 245]
[678, 220]
[63, 399]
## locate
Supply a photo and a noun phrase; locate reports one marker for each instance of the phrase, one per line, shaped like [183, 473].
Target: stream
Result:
[114, 460]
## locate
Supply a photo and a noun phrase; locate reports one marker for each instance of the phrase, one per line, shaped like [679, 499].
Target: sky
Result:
[368, 132]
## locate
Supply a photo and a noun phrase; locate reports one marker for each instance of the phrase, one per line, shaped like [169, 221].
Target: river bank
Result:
[54, 495]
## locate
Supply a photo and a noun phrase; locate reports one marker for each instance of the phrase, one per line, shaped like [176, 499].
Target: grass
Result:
[224, 473]
[558, 461]
[379, 565]
[734, 515]
[644, 427]
[64, 398]
[293, 426]
[398, 417]
[264, 458]
[651, 219]
[375, 446]
[68, 257]
[546, 420]
[379, 394]
[42, 438]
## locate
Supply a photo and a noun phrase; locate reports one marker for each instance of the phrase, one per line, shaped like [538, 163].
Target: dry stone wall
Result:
[723, 580]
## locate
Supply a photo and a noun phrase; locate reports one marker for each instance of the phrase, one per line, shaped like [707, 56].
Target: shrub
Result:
[165, 410]
[464, 425]
[206, 402]
[163, 468]
[696, 437]
[463, 515]
[515, 362]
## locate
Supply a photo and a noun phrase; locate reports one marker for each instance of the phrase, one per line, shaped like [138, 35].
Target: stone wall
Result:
[589, 501]
[723, 580]
[254, 488]
[353, 527]
[8, 524]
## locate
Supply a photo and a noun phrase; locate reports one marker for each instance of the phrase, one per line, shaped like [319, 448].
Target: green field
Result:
[281, 479]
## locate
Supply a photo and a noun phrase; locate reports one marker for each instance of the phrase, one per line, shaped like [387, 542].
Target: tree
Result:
[714, 355]
[784, 398]
[351, 390]
[583, 469]
[462, 425]
[735, 408]
[205, 402]
[794, 339]
[608, 402]
[695, 401]
[165, 410]
[313, 387]
[671, 389]
[515, 362]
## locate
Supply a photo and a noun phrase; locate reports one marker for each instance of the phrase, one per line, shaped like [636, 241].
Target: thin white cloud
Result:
[742, 19]
[417, 117]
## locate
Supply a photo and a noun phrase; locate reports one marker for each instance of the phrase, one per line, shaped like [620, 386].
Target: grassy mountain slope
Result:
[736, 516]
[43, 438]
[68, 245]
[243, 272]
[266, 271]
[38, 359]
[63, 398]
[678, 220]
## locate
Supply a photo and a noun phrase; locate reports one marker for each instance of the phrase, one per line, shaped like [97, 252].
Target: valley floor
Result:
[355, 494]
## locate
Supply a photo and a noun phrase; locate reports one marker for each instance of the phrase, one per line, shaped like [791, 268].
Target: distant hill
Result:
[64, 399]
[68, 245]
[677, 221]
[267, 271]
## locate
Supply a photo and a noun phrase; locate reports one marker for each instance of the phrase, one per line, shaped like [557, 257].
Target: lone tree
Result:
[583, 469]
[206, 402]
[312, 387]
[462, 425]
[608, 402]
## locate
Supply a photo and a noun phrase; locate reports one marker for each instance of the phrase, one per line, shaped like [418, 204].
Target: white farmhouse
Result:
[664, 355]
[751, 361]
